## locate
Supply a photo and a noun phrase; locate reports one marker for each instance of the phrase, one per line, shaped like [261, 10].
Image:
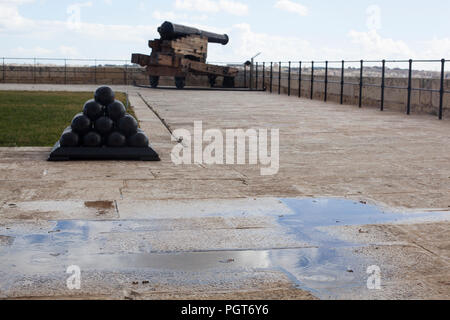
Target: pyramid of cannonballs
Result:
[103, 131]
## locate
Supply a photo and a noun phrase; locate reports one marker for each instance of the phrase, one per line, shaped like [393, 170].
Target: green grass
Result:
[38, 118]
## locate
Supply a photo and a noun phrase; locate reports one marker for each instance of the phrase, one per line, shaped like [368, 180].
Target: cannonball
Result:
[104, 95]
[92, 110]
[69, 138]
[104, 125]
[116, 110]
[116, 140]
[138, 140]
[92, 140]
[81, 124]
[128, 125]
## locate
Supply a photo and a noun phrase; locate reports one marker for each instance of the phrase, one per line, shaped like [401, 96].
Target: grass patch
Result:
[38, 118]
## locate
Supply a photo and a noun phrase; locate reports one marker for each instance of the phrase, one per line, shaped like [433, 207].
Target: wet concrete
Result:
[318, 261]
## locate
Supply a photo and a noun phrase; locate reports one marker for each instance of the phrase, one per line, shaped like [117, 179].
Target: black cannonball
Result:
[116, 110]
[81, 124]
[92, 110]
[116, 140]
[104, 95]
[138, 140]
[104, 125]
[69, 138]
[128, 125]
[92, 140]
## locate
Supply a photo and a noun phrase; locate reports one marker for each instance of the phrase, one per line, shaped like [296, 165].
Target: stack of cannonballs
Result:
[104, 122]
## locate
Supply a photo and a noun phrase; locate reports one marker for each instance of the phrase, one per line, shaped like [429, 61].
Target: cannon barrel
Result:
[170, 31]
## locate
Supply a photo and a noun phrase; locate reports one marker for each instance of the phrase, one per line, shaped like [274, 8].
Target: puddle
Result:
[99, 204]
[326, 268]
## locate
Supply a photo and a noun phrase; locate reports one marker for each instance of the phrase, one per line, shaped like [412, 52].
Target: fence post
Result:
[408, 105]
[342, 81]
[256, 77]
[4, 70]
[264, 76]
[95, 71]
[279, 78]
[34, 71]
[245, 75]
[271, 76]
[312, 80]
[326, 81]
[441, 90]
[383, 83]
[125, 73]
[65, 71]
[299, 79]
[250, 80]
[289, 79]
[361, 74]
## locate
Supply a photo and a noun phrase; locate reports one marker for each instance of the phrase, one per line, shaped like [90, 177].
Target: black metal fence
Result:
[312, 78]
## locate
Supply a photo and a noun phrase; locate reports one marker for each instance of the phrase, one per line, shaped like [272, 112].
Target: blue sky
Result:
[280, 29]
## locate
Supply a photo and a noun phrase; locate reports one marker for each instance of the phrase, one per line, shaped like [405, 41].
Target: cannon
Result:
[171, 31]
[181, 51]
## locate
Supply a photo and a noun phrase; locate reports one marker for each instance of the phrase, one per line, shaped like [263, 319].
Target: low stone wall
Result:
[395, 99]
[86, 75]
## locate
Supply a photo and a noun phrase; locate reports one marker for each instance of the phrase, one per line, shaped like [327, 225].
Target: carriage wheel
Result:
[228, 82]
[180, 82]
[154, 81]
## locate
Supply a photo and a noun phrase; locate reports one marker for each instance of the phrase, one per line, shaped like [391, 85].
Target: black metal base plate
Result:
[59, 153]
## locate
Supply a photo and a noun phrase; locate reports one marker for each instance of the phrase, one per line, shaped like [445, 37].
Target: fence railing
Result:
[285, 71]
[66, 70]
[312, 73]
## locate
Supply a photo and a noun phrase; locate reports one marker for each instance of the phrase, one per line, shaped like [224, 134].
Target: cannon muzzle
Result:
[170, 31]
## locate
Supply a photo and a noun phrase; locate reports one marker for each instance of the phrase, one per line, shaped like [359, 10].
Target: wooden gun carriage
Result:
[181, 51]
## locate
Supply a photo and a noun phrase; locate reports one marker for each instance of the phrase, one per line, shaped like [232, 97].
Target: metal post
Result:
[383, 83]
[299, 79]
[408, 105]
[34, 71]
[441, 90]
[251, 75]
[326, 81]
[271, 76]
[256, 78]
[312, 80]
[289, 79]
[361, 73]
[245, 75]
[264, 76]
[342, 82]
[125, 73]
[279, 78]
[65, 71]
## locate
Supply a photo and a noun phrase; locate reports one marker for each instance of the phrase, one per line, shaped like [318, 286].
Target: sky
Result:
[281, 30]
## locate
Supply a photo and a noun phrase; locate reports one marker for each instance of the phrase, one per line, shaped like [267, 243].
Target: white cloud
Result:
[69, 52]
[291, 6]
[373, 46]
[245, 43]
[212, 6]
[31, 52]
[166, 15]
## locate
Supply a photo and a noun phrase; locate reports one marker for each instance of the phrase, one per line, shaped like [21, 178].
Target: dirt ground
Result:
[326, 151]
